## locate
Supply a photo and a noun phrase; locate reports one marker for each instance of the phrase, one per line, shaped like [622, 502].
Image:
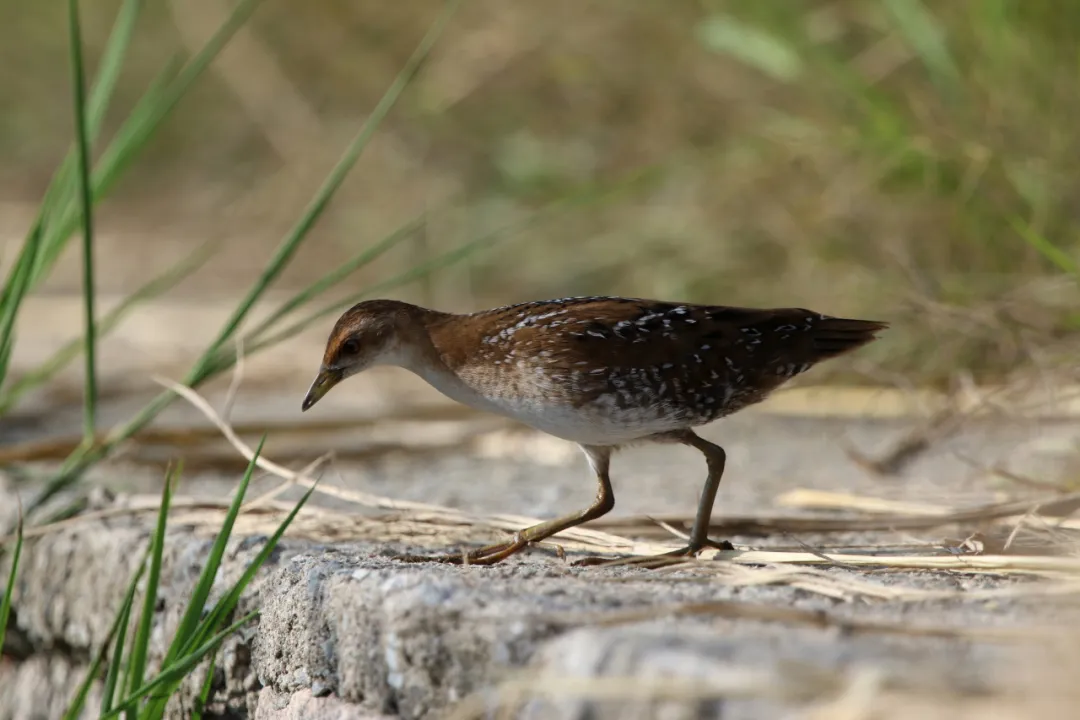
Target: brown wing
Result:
[632, 332]
[646, 351]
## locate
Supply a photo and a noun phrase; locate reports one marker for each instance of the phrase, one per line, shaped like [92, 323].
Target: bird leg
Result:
[600, 460]
[715, 458]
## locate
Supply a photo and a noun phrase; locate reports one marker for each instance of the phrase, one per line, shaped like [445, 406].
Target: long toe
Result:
[448, 559]
[651, 562]
[672, 557]
[642, 561]
[593, 560]
[488, 555]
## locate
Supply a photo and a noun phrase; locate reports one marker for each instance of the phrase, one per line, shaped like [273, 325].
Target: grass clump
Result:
[128, 687]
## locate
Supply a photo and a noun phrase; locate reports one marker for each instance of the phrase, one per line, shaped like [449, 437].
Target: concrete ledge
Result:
[346, 632]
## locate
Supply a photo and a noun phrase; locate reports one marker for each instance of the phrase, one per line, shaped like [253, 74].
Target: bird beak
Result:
[325, 380]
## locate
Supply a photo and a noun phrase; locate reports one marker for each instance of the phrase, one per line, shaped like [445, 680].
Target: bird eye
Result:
[350, 347]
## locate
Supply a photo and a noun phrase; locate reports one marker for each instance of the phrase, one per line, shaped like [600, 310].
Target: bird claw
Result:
[721, 545]
[487, 555]
[650, 562]
[474, 557]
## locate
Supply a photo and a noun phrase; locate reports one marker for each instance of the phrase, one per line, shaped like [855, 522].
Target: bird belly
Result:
[597, 423]
[550, 409]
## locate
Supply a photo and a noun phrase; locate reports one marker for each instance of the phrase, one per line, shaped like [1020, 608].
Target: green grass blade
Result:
[204, 693]
[116, 660]
[228, 602]
[171, 675]
[445, 259]
[1058, 257]
[86, 207]
[335, 276]
[210, 622]
[206, 631]
[144, 119]
[62, 357]
[112, 62]
[9, 589]
[57, 219]
[15, 289]
[141, 641]
[752, 45]
[59, 200]
[190, 621]
[921, 30]
[78, 702]
[154, 107]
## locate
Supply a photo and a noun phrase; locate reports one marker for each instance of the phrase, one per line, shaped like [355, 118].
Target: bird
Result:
[602, 372]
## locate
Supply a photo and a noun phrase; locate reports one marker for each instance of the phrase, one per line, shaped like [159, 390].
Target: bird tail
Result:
[835, 336]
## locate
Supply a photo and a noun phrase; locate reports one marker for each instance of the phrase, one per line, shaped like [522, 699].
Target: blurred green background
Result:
[892, 159]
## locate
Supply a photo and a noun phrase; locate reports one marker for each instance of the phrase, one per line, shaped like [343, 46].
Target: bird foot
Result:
[487, 555]
[650, 562]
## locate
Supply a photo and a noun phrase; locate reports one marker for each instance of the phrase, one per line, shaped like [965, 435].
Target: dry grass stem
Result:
[809, 499]
[236, 380]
